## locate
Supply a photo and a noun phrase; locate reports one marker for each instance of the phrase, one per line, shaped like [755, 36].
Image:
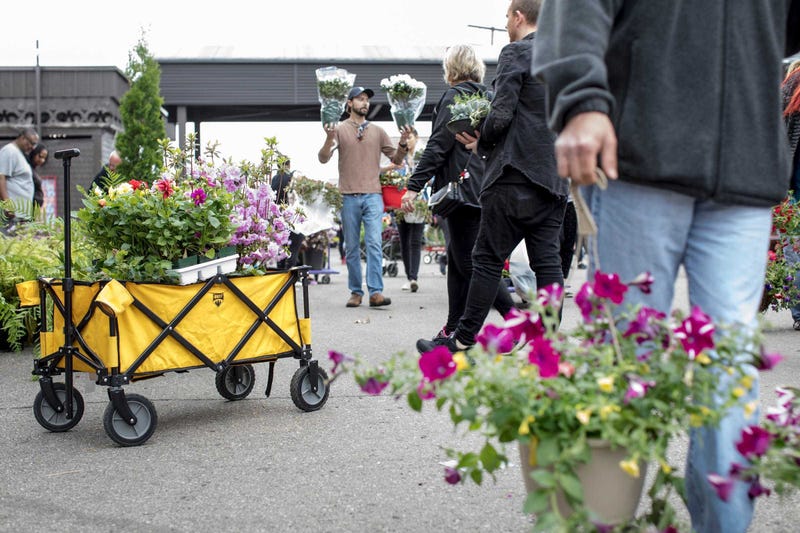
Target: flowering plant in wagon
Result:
[631, 378]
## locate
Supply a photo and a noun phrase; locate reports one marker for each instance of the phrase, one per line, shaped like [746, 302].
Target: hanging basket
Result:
[391, 196]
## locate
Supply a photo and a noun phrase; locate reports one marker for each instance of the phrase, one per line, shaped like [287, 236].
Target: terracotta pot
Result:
[608, 490]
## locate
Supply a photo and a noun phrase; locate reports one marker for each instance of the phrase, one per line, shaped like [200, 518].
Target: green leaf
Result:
[571, 486]
[414, 401]
[544, 478]
[489, 458]
[547, 452]
[537, 502]
[477, 476]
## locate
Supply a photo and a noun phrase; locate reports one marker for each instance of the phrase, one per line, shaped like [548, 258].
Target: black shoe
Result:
[796, 325]
[425, 345]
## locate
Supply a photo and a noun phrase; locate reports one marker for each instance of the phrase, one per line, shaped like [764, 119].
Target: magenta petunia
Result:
[495, 339]
[768, 361]
[637, 388]
[586, 301]
[425, 390]
[337, 358]
[755, 442]
[523, 325]
[644, 281]
[757, 489]
[722, 485]
[373, 386]
[696, 333]
[437, 364]
[451, 475]
[609, 286]
[551, 296]
[544, 356]
[643, 328]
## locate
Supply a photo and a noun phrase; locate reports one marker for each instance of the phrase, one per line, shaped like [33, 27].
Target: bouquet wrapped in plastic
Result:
[333, 86]
[406, 96]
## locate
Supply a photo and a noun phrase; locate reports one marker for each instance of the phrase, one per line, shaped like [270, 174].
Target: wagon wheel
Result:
[303, 396]
[427, 259]
[392, 270]
[236, 382]
[125, 434]
[52, 420]
[325, 279]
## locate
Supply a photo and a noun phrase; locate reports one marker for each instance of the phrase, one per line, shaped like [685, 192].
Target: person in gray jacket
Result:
[681, 102]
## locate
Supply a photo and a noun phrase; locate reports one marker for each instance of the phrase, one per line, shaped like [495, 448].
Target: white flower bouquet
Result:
[406, 97]
[333, 86]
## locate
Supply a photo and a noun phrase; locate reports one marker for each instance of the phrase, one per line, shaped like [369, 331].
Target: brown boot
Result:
[378, 299]
[355, 300]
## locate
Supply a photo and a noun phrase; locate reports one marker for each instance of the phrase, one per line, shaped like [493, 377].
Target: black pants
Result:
[509, 214]
[569, 233]
[295, 240]
[463, 225]
[410, 247]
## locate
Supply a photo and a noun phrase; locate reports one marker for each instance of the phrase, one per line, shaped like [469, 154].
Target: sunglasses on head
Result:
[360, 130]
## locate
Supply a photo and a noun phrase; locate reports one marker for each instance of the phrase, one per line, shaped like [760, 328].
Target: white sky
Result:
[100, 33]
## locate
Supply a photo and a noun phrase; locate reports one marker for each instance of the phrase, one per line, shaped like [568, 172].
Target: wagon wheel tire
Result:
[427, 259]
[302, 394]
[125, 434]
[326, 279]
[392, 270]
[52, 420]
[236, 382]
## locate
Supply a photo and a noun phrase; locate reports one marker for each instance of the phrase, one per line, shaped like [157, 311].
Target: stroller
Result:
[390, 249]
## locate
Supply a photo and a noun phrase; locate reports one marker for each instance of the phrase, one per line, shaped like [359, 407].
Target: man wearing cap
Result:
[360, 145]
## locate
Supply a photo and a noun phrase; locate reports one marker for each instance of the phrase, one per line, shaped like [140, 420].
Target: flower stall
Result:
[144, 314]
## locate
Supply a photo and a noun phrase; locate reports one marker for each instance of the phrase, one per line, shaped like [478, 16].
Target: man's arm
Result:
[4, 194]
[569, 57]
[402, 147]
[326, 152]
[507, 86]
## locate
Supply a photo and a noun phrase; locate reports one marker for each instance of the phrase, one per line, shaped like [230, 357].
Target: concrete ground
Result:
[359, 464]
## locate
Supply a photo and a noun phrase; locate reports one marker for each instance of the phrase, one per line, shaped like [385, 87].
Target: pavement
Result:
[360, 464]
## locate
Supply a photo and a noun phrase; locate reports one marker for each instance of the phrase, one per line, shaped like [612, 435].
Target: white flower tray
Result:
[204, 271]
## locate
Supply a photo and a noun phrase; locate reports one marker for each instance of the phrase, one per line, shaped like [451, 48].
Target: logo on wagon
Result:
[218, 297]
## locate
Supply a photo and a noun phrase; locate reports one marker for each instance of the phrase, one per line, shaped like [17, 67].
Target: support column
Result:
[182, 127]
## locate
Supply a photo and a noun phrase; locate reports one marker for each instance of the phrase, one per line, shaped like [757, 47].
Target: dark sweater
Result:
[692, 88]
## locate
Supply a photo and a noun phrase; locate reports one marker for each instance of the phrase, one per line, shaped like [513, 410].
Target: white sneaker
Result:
[406, 287]
[414, 285]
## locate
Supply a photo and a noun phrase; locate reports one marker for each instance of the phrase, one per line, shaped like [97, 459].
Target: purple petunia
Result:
[437, 364]
[495, 339]
[755, 442]
[373, 386]
[451, 475]
[609, 286]
[644, 328]
[696, 333]
[722, 485]
[199, 196]
[544, 356]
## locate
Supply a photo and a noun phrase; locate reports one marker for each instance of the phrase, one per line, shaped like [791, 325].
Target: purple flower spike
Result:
[451, 475]
[696, 333]
[495, 339]
[373, 387]
[722, 485]
[437, 364]
[544, 356]
[755, 442]
[609, 286]
[644, 281]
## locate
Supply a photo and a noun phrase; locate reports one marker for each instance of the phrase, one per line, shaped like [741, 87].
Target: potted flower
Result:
[780, 291]
[610, 395]
[406, 97]
[308, 192]
[333, 86]
[467, 111]
[393, 185]
[191, 214]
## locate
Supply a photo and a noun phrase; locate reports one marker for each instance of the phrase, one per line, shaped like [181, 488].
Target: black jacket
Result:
[445, 158]
[515, 133]
[692, 88]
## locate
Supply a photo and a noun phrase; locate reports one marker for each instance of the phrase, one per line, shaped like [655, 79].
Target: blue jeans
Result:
[366, 208]
[722, 248]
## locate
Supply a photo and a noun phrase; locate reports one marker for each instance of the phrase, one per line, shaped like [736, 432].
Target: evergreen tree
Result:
[140, 109]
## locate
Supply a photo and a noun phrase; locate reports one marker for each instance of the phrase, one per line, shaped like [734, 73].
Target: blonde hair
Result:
[461, 63]
[793, 66]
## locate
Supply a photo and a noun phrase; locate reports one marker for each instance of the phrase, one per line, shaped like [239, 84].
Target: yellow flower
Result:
[645, 368]
[703, 359]
[606, 383]
[729, 370]
[533, 446]
[583, 415]
[607, 410]
[746, 382]
[527, 371]
[738, 392]
[630, 466]
[695, 420]
[665, 466]
[498, 358]
[525, 426]
[461, 361]
[750, 408]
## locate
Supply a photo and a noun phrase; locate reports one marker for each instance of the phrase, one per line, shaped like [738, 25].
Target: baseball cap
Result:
[355, 91]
